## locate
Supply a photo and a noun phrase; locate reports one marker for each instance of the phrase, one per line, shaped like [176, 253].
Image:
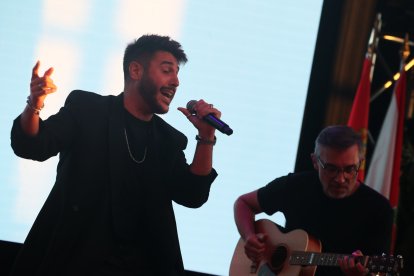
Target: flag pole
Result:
[373, 42]
[371, 53]
[358, 116]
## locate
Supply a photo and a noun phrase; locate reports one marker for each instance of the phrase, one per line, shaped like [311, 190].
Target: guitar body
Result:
[297, 253]
[279, 247]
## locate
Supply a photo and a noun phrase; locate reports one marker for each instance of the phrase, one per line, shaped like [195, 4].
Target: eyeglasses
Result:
[333, 171]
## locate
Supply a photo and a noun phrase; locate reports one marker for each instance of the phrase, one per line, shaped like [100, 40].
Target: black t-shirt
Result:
[121, 231]
[128, 194]
[361, 221]
[130, 242]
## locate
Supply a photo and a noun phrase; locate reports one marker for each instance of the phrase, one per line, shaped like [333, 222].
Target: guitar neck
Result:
[322, 259]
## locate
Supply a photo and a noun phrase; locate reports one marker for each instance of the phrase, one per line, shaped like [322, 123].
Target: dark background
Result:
[344, 32]
[342, 41]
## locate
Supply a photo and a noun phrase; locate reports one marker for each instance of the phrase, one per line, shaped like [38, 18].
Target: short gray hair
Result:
[338, 137]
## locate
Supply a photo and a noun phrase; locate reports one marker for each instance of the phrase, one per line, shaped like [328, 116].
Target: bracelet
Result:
[201, 140]
[35, 109]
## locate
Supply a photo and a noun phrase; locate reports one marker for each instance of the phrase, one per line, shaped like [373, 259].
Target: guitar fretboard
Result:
[316, 258]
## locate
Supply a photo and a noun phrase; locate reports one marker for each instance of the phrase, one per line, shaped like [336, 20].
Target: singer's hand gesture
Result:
[41, 86]
[201, 109]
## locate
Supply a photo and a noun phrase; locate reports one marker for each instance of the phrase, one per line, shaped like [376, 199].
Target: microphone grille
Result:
[190, 105]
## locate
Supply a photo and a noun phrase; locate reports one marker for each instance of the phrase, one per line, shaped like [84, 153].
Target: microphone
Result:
[211, 119]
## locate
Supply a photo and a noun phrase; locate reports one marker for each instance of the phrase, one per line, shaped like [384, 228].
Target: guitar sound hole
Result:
[278, 257]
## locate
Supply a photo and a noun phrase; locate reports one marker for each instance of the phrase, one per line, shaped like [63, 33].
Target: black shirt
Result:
[130, 231]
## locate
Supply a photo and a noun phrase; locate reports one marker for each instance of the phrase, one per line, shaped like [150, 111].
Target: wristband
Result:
[35, 109]
[201, 140]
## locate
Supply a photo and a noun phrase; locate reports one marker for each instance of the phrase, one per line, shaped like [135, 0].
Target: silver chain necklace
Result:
[130, 153]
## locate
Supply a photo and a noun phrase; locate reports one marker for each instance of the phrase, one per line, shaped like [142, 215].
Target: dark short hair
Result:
[338, 137]
[143, 48]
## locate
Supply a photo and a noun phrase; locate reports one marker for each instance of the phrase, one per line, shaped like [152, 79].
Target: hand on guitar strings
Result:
[255, 247]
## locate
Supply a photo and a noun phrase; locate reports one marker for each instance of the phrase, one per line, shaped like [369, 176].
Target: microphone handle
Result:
[218, 124]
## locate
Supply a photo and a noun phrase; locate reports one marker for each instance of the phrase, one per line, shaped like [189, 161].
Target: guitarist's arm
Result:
[245, 209]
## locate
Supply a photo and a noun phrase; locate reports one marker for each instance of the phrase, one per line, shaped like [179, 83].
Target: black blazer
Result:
[88, 134]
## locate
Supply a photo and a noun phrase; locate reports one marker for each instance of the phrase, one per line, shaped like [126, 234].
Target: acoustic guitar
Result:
[297, 253]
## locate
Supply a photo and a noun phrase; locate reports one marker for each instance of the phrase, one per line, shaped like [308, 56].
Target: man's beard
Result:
[148, 91]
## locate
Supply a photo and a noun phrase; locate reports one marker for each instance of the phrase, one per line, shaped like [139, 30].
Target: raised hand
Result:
[40, 86]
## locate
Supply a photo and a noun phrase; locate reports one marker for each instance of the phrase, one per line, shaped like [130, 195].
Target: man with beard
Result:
[120, 168]
[329, 203]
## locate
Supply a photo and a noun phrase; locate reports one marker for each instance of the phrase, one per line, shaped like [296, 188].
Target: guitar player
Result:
[329, 203]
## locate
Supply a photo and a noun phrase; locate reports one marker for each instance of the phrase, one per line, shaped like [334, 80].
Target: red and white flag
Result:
[358, 118]
[384, 169]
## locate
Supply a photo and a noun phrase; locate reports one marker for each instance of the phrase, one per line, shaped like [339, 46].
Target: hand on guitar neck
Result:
[354, 265]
